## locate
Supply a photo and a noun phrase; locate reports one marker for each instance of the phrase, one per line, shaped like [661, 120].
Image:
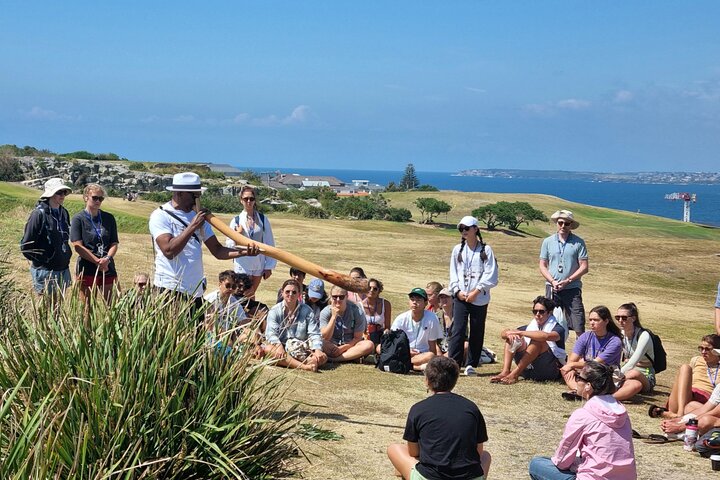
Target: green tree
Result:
[515, 214]
[488, 215]
[409, 180]
[431, 208]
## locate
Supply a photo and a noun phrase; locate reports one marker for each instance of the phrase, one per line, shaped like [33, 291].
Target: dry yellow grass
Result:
[670, 276]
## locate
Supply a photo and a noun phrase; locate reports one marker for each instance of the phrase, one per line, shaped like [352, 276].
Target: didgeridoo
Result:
[336, 278]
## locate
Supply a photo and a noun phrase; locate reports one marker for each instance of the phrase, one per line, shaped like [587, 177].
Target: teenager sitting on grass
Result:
[638, 353]
[445, 432]
[538, 348]
[597, 442]
[342, 324]
[421, 327]
[293, 333]
[694, 381]
[601, 344]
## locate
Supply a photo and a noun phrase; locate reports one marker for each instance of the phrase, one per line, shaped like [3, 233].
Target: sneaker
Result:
[470, 371]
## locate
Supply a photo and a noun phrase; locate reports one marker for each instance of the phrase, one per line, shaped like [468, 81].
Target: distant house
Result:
[307, 181]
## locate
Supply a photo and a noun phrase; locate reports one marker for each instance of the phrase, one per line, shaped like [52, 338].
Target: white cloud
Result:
[573, 104]
[476, 90]
[184, 119]
[39, 113]
[150, 119]
[300, 114]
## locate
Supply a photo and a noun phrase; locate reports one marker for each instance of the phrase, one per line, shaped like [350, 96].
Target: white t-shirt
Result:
[229, 315]
[419, 333]
[184, 273]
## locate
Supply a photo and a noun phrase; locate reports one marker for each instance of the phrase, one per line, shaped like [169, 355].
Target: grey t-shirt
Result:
[346, 325]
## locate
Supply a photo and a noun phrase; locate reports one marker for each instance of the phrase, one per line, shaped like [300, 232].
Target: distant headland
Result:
[676, 178]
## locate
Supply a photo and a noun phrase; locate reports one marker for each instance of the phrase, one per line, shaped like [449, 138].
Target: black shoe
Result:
[572, 397]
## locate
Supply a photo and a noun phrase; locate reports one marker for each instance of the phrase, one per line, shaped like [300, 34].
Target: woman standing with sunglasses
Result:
[255, 226]
[473, 272]
[93, 234]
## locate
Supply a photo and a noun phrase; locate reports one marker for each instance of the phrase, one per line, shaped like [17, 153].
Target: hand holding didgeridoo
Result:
[336, 278]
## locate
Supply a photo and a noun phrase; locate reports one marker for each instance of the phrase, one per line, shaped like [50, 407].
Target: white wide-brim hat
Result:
[53, 186]
[468, 221]
[186, 182]
[565, 215]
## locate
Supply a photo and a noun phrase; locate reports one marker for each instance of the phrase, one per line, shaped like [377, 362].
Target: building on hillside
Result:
[295, 180]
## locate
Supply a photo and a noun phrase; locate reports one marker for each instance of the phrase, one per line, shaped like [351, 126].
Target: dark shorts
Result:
[570, 300]
[101, 280]
[545, 367]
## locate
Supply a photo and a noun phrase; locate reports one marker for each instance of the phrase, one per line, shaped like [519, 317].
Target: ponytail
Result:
[462, 245]
[483, 255]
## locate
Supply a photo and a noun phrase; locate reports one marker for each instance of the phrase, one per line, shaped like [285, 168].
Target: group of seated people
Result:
[610, 363]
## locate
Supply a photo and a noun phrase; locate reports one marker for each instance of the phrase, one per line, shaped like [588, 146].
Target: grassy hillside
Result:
[668, 268]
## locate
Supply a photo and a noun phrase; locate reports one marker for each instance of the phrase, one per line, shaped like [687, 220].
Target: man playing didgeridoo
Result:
[178, 232]
[342, 325]
[538, 348]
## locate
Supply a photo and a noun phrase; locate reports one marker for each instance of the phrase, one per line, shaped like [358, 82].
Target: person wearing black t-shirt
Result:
[94, 235]
[444, 433]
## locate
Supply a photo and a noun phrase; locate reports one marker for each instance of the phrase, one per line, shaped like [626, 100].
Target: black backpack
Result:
[660, 362]
[394, 352]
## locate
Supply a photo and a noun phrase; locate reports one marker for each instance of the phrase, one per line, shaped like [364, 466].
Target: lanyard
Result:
[601, 345]
[96, 226]
[713, 379]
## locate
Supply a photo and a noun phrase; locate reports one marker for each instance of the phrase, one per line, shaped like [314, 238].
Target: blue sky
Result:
[601, 86]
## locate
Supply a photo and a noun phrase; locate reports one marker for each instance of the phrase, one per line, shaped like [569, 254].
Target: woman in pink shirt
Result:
[597, 442]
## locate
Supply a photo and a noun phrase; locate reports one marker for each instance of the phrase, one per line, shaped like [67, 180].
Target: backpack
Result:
[660, 362]
[394, 352]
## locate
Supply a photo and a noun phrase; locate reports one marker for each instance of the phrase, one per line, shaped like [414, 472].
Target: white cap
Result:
[468, 221]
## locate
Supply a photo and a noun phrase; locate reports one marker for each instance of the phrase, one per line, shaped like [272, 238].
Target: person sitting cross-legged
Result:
[292, 333]
[422, 329]
[538, 348]
[342, 324]
[445, 432]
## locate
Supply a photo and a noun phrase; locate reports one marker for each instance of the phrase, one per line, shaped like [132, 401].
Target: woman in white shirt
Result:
[255, 226]
[638, 354]
[473, 272]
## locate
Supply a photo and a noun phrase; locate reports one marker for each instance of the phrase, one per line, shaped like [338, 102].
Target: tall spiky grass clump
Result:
[134, 391]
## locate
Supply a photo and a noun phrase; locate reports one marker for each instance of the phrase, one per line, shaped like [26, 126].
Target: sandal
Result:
[657, 439]
[572, 396]
[656, 411]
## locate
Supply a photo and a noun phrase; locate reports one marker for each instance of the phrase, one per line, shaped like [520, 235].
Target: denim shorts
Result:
[49, 281]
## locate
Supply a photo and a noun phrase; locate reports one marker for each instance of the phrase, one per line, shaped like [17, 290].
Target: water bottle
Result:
[691, 434]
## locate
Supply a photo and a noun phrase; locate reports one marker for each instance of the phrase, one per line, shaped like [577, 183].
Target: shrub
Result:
[133, 393]
[431, 207]
[398, 214]
[305, 210]
[137, 167]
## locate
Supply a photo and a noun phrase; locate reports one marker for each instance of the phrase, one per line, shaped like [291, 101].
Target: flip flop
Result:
[635, 434]
[572, 397]
[656, 411]
[656, 439]
[496, 380]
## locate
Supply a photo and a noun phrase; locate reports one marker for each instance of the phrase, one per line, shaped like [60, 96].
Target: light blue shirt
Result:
[717, 299]
[305, 326]
[567, 254]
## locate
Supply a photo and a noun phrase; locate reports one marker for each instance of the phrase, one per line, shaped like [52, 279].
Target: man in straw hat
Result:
[45, 241]
[178, 232]
[563, 261]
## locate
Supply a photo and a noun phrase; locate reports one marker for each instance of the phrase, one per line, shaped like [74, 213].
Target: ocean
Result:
[632, 197]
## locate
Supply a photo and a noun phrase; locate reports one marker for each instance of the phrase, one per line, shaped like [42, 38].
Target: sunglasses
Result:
[702, 349]
[63, 193]
[622, 317]
[142, 284]
[247, 199]
[290, 292]
[463, 228]
[230, 285]
[338, 297]
[563, 223]
[579, 377]
[374, 288]
[96, 198]
[539, 312]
